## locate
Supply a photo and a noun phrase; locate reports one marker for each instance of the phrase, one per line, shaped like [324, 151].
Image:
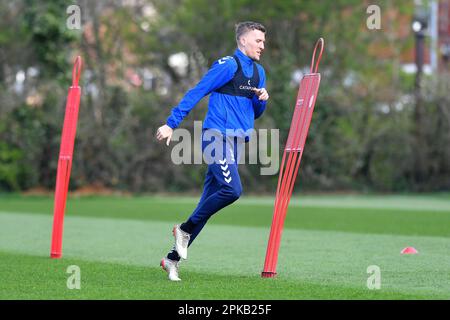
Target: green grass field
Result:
[327, 245]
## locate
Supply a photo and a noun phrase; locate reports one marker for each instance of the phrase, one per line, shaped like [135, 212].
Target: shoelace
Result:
[185, 238]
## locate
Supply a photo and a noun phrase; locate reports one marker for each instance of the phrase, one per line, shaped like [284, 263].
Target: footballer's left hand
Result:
[262, 94]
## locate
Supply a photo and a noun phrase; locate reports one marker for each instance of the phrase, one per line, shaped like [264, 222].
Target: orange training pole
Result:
[65, 159]
[290, 163]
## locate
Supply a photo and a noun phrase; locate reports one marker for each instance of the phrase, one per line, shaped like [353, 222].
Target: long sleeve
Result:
[219, 74]
[258, 105]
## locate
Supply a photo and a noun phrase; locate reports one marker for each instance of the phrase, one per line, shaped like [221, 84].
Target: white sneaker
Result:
[181, 241]
[171, 267]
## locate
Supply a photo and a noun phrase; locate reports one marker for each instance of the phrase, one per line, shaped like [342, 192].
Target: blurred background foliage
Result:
[362, 136]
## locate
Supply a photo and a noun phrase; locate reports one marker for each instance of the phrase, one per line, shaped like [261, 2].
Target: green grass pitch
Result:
[327, 245]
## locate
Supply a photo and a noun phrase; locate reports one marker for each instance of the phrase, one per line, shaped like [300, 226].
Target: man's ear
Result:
[243, 41]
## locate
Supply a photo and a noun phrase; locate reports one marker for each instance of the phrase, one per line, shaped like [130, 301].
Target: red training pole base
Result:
[268, 274]
[55, 255]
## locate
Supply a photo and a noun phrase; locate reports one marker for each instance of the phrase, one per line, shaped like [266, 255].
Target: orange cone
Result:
[409, 250]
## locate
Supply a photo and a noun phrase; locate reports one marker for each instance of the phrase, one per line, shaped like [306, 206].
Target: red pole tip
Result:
[315, 68]
[76, 72]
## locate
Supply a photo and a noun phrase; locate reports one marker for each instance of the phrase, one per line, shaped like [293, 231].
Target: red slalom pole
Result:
[292, 155]
[65, 159]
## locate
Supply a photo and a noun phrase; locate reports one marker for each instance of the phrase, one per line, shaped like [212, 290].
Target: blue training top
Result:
[241, 85]
[233, 109]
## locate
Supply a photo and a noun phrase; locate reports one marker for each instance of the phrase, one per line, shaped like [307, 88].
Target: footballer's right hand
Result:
[164, 132]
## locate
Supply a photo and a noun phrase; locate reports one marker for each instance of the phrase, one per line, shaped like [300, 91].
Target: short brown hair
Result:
[244, 27]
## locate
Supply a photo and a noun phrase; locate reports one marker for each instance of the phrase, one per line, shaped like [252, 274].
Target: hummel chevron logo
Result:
[223, 161]
[224, 168]
[227, 180]
[224, 59]
[226, 174]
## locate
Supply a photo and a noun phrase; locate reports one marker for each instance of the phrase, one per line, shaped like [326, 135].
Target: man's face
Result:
[253, 44]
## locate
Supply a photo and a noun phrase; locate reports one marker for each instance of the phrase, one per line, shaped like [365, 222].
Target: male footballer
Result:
[236, 85]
